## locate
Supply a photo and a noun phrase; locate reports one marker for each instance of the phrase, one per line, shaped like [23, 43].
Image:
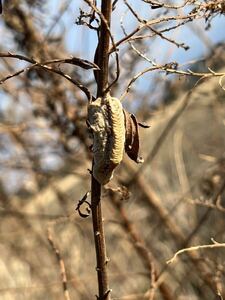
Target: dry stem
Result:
[194, 248]
[102, 82]
[61, 265]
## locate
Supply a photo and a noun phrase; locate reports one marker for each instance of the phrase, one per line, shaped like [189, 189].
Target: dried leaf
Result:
[156, 6]
[83, 63]
[143, 125]
[132, 137]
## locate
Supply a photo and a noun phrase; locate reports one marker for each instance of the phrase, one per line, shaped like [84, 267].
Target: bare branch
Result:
[85, 64]
[107, 28]
[154, 22]
[182, 45]
[61, 265]
[196, 248]
[45, 66]
[156, 4]
[97, 218]
[169, 70]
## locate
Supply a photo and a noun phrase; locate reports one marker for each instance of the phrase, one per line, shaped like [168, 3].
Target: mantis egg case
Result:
[106, 119]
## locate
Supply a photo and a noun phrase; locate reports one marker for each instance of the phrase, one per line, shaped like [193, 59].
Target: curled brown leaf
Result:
[132, 137]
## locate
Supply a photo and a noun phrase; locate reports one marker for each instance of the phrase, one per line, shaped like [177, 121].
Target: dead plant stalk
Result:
[97, 219]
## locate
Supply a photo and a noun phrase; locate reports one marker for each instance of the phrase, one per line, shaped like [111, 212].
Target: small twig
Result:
[144, 252]
[83, 63]
[156, 4]
[17, 73]
[61, 265]
[5, 213]
[167, 68]
[215, 202]
[106, 25]
[194, 248]
[45, 66]
[182, 45]
[145, 36]
[133, 47]
[154, 22]
[134, 79]
[206, 203]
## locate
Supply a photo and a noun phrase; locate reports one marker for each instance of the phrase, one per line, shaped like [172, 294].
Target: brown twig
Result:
[83, 63]
[154, 22]
[194, 248]
[5, 213]
[107, 29]
[169, 70]
[44, 65]
[145, 254]
[156, 4]
[214, 202]
[156, 32]
[97, 219]
[61, 265]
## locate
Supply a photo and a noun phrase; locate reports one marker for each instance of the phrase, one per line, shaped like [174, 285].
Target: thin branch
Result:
[144, 252]
[215, 202]
[61, 265]
[45, 66]
[156, 4]
[133, 47]
[134, 13]
[154, 22]
[68, 77]
[169, 70]
[107, 29]
[83, 63]
[97, 218]
[17, 73]
[5, 213]
[211, 246]
[206, 203]
[141, 37]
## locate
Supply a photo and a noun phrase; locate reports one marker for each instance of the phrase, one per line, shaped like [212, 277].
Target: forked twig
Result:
[45, 65]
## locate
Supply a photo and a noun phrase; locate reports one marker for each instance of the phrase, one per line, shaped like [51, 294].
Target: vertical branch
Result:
[61, 265]
[102, 82]
[99, 237]
[103, 48]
